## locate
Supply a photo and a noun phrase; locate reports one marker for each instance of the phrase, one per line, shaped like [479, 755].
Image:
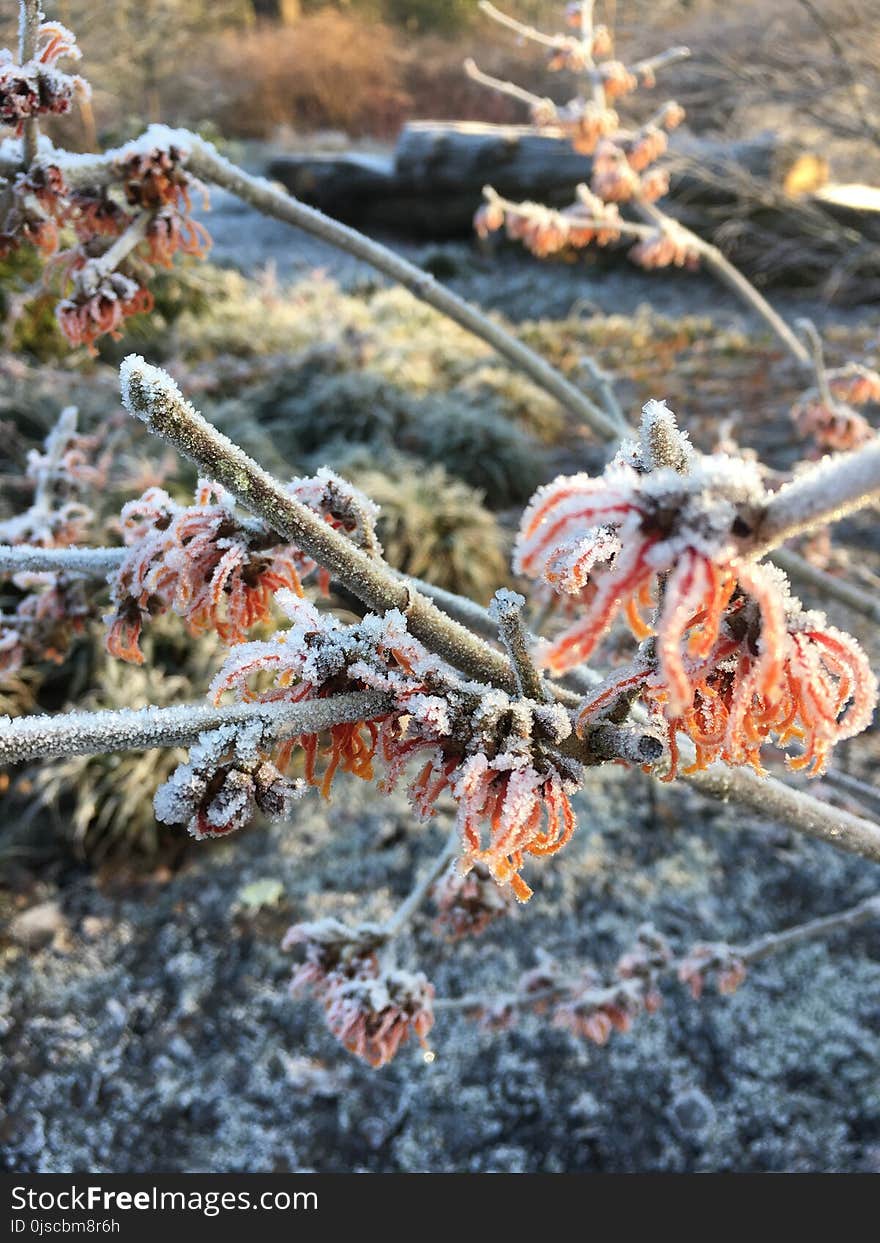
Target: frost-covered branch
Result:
[641, 971]
[423, 886]
[829, 586]
[29, 18]
[88, 562]
[502, 87]
[840, 485]
[99, 733]
[729, 275]
[506, 610]
[152, 396]
[773, 800]
[90, 276]
[521, 28]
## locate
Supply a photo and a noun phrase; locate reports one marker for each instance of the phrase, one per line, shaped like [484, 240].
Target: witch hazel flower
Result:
[622, 530]
[216, 570]
[545, 231]
[829, 418]
[468, 903]
[228, 779]
[136, 214]
[39, 87]
[103, 309]
[370, 1008]
[716, 963]
[36, 208]
[666, 247]
[496, 755]
[732, 661]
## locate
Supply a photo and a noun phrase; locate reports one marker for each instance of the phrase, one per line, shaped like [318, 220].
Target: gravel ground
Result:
[154, 1032]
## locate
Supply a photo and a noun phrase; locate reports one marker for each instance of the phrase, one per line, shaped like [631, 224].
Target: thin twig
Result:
[672, 56]
[92, 273]
[87, 562]
[773, 942]
[817, 351]
[609, 995]
[773, 800]
[799, 570]
[503, 87]
[729, 275]
[506, 610]
[29, 17]
[522, 29]
[867, 795]
[152, 396]
[128, 729]
[423, 886]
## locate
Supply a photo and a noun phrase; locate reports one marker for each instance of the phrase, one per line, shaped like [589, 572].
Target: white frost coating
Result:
[155, 137]
[839, 485]
[506, 603]
[100, 733]
[152, 384]
[28, 559]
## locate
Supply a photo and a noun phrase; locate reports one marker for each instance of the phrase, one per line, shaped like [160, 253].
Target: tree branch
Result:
[152, 396]
[99, 733]
[88, 562]
[729, 275]
[414, 899]
[610, 995]
[522, 29]
[840, 485]
[29, 19]
[773, 800]
[799, 570]
[506, 611]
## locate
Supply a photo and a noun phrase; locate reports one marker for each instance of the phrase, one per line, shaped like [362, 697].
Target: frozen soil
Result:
[155, 1032]
[503, 278]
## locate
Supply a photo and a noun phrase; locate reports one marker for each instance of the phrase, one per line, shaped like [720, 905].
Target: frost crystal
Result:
[492, 752]
[228, 779]
[733, 661]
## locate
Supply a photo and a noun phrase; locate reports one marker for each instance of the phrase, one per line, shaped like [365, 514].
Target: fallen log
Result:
[760, 199]
[432, 184]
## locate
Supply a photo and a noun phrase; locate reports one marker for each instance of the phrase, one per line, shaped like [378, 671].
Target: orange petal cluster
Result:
[371, 1010]
[216, 571]
[493, 754]
[733, 661]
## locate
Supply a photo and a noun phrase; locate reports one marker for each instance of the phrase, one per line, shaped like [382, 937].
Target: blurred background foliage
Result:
[270, 69]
